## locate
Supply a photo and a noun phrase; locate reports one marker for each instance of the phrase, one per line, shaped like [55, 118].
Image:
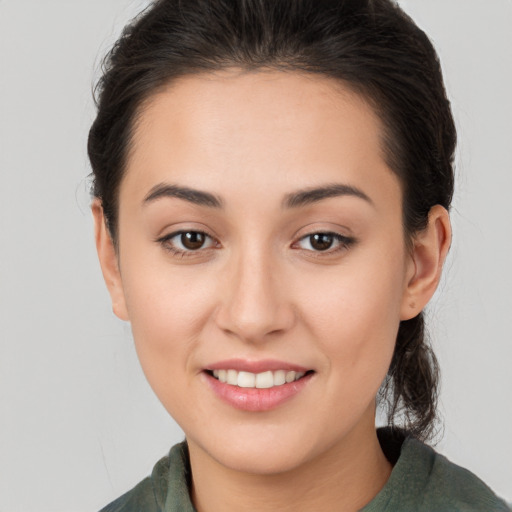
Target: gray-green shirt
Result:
[421, 480]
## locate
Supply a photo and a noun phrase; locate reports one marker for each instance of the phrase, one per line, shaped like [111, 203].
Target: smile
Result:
[269, 385]
[263, 380]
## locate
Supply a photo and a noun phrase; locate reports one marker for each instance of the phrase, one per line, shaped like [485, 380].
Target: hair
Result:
[370, 46]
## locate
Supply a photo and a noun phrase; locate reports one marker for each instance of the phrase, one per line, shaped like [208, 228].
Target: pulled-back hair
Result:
[370, 46]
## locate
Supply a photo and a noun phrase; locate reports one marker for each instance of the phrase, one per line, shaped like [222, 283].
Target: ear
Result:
[430, 247]
[108, 261]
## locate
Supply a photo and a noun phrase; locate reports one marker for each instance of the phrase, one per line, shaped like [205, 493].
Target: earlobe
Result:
[108, 261]
[428, 254]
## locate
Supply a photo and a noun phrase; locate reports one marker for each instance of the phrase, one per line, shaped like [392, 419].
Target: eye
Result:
[183, 242]
[324, 242]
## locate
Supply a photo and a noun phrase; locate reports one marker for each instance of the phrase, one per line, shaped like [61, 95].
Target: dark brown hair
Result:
[371, 46]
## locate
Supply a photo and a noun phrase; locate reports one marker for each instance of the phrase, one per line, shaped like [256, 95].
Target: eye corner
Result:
[198, 242]
[323, 243]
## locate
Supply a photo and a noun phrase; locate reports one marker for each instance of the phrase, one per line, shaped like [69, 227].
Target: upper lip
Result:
[244, 365]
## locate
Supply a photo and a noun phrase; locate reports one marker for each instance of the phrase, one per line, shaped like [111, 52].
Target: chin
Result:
[262, 452]
[261, 461]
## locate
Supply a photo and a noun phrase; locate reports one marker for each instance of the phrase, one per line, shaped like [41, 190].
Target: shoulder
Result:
[168, 482]
[448, 486]
[425, 480]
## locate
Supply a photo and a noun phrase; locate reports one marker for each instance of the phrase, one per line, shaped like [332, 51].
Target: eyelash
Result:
[166, 242]
[343, 243]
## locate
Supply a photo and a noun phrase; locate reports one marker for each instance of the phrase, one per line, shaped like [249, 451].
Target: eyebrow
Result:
[313, 195]
[293, 200]
[187, 194]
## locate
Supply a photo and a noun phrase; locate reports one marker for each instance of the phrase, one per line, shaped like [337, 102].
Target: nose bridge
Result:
[254, 304]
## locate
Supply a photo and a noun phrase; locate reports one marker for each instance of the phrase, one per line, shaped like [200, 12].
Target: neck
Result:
[345, 478]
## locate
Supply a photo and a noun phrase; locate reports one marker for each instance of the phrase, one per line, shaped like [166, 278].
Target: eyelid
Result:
[165, 242]
[343, 242]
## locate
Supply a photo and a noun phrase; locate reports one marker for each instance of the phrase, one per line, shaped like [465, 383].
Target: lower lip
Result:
[254, 399]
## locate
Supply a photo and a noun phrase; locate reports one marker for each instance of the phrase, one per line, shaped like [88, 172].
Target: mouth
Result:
[257, 386]
[263, 380]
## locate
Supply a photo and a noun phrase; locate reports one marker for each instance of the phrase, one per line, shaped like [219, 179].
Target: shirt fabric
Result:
[421, 480]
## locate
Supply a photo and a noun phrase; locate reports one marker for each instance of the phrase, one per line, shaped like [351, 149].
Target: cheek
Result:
[165, 307]
[355, 313]
[165, 302]
[168, 308]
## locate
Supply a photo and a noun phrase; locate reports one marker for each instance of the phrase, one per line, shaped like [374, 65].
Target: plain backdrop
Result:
[78, 423]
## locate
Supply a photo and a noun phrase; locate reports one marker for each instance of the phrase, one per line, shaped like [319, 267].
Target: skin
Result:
[259, 290]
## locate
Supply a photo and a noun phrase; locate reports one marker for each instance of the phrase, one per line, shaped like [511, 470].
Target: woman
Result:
[272, 186]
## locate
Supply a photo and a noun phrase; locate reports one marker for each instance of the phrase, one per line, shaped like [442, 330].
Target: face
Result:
[262, 264]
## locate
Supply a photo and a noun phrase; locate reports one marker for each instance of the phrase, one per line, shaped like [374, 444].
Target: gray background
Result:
[78, 423]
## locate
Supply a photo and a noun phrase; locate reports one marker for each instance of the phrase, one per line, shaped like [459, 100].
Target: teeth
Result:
[262, 380]
[246, 380]
[279, 377]
[232, 377]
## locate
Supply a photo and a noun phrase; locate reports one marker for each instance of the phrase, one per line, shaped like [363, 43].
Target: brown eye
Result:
[321, 241]
[186, 242]
[329, 243]
[192, 240]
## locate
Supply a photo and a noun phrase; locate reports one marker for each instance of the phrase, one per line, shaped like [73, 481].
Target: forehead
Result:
[262, 129]
[234, 102]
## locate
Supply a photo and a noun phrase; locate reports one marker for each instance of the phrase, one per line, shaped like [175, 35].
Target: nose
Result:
[254, 305]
